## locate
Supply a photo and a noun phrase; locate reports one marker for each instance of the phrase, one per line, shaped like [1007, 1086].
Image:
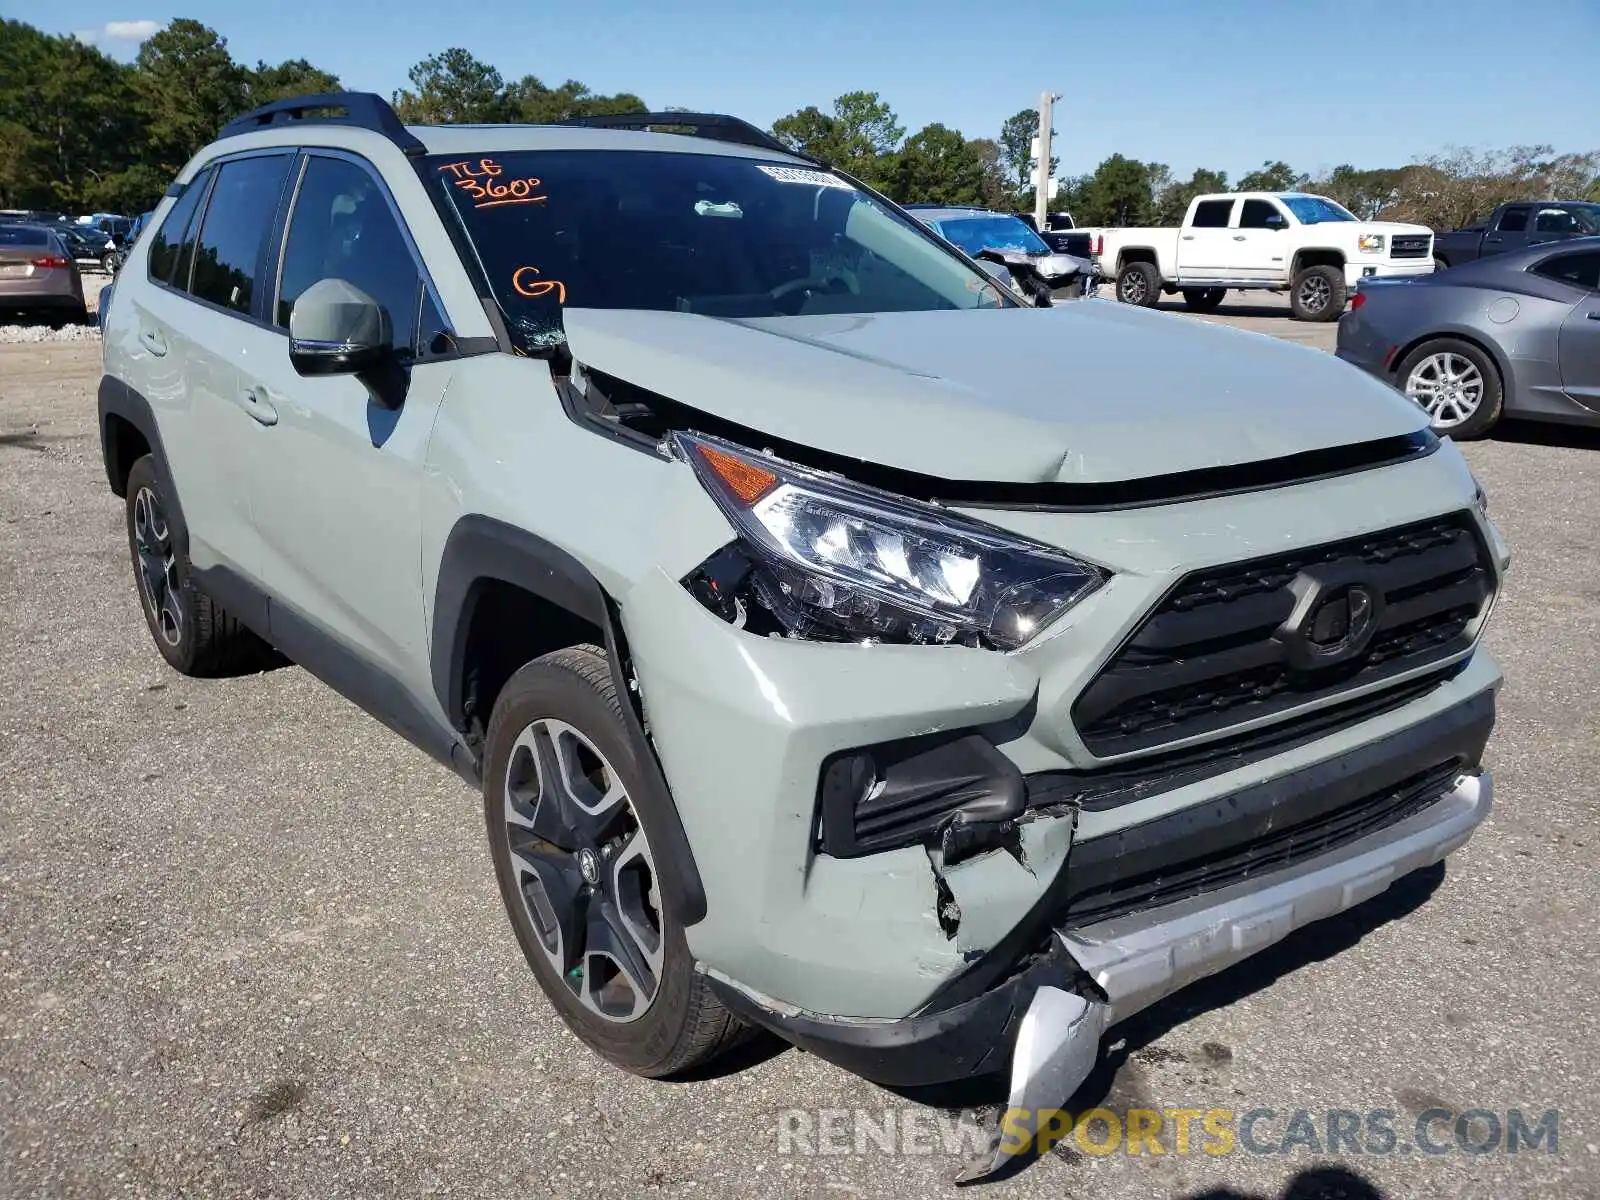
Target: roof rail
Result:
[363, 110]
[715, 126]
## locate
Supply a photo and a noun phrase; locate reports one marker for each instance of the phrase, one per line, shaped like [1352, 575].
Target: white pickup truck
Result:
[1275, 241]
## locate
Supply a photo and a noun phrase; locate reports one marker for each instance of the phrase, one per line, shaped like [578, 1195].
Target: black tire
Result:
[1439, 263]
[108, 262]
[1139, 284]
[1318, 294]
[684, 1025]
[194, 634]
[1203, 299]
[1490, 405]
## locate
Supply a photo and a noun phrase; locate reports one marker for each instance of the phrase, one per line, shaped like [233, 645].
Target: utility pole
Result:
[1041, 173]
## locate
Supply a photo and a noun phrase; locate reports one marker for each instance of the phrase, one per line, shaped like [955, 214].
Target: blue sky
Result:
[1216, 83]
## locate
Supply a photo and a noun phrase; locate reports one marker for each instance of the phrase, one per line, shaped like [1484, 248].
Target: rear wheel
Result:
[194, 634]
[578, 874]
[1456, 383]
[1139, 283]
[1318, 294]
[1439, 264]
[1203, 299]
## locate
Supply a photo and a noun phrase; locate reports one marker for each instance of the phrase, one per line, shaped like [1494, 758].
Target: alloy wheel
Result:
[1132, 287]
[158, 565]
[1449, 386]
[584, 870]
[1315, 294]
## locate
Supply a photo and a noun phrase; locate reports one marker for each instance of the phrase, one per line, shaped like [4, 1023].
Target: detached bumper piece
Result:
[1138, 959]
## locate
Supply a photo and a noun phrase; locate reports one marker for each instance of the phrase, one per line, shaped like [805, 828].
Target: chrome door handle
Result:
[1238, 237]
[1594, 314]
[153, 342]
[1188, 237]
[254, 401]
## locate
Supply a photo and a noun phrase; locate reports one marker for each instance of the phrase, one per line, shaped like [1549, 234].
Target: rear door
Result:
[336, 485]
[1510, 230]
[1259, 244]
[1206, 245]
[204, 324]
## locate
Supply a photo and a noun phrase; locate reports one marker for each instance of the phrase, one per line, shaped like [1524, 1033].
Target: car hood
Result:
[1392, 227]
[1085, 392]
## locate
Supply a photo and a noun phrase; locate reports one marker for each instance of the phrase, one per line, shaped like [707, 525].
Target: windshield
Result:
[697, 233]
[997, 232]
[1314, 210]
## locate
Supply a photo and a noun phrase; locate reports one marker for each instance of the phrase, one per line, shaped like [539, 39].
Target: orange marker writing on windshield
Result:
[534, 288]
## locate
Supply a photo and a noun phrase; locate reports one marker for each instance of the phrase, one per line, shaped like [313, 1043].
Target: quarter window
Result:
[1581, 268]
[167, 244]
[237, 219]
[1212, 214]
[342, 228]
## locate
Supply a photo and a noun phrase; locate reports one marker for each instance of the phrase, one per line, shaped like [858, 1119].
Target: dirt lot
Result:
[250, 943]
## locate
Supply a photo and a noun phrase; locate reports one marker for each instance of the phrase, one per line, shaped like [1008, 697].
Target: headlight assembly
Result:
[1372, 243]
[827, 559]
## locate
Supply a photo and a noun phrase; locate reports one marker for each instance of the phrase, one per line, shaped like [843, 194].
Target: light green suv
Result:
[842, 645]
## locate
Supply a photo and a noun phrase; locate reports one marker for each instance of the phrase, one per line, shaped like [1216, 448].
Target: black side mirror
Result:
[1277, 222]
[337, 329]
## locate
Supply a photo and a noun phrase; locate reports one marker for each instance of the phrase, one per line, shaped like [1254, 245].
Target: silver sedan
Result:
[1513, 335]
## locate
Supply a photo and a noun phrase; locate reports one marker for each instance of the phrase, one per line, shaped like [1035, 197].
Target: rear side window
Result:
[1581, 268]
[1513, 220]
[234, 228]
[164, 247]
[1212, 214]
[342, 228]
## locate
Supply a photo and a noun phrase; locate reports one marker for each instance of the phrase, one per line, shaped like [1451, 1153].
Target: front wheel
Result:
[1318, 294]
[579, 876]
[1139, 283]
[1456, 383]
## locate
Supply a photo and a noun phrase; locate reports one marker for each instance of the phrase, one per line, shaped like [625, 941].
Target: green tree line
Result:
[80, 131]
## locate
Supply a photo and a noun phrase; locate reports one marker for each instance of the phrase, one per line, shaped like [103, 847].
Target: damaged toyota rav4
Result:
[843, 646]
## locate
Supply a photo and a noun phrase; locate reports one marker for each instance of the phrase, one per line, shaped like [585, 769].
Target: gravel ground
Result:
[250, 942]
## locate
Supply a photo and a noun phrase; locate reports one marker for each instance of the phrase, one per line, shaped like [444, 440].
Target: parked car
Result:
[840, 645]
[89, 246]
[38, 276]
[1516, 335]
[1305, 245]
[114, 225]
[1513, 226]
[1006, 237]
[1063, 236]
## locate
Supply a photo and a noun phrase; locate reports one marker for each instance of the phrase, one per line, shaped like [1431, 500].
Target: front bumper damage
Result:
[1220, 882]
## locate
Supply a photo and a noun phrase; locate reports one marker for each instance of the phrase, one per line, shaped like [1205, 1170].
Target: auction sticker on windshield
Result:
[800, 175]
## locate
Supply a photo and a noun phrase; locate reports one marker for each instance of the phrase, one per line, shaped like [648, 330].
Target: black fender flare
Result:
[117, 399]
[480, 549]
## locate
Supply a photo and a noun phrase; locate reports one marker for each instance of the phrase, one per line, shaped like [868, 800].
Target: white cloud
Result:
[133, 31]
[117, 35]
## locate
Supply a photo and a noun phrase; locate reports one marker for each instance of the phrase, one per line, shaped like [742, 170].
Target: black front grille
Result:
[1409, 245]
[1214, 653]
